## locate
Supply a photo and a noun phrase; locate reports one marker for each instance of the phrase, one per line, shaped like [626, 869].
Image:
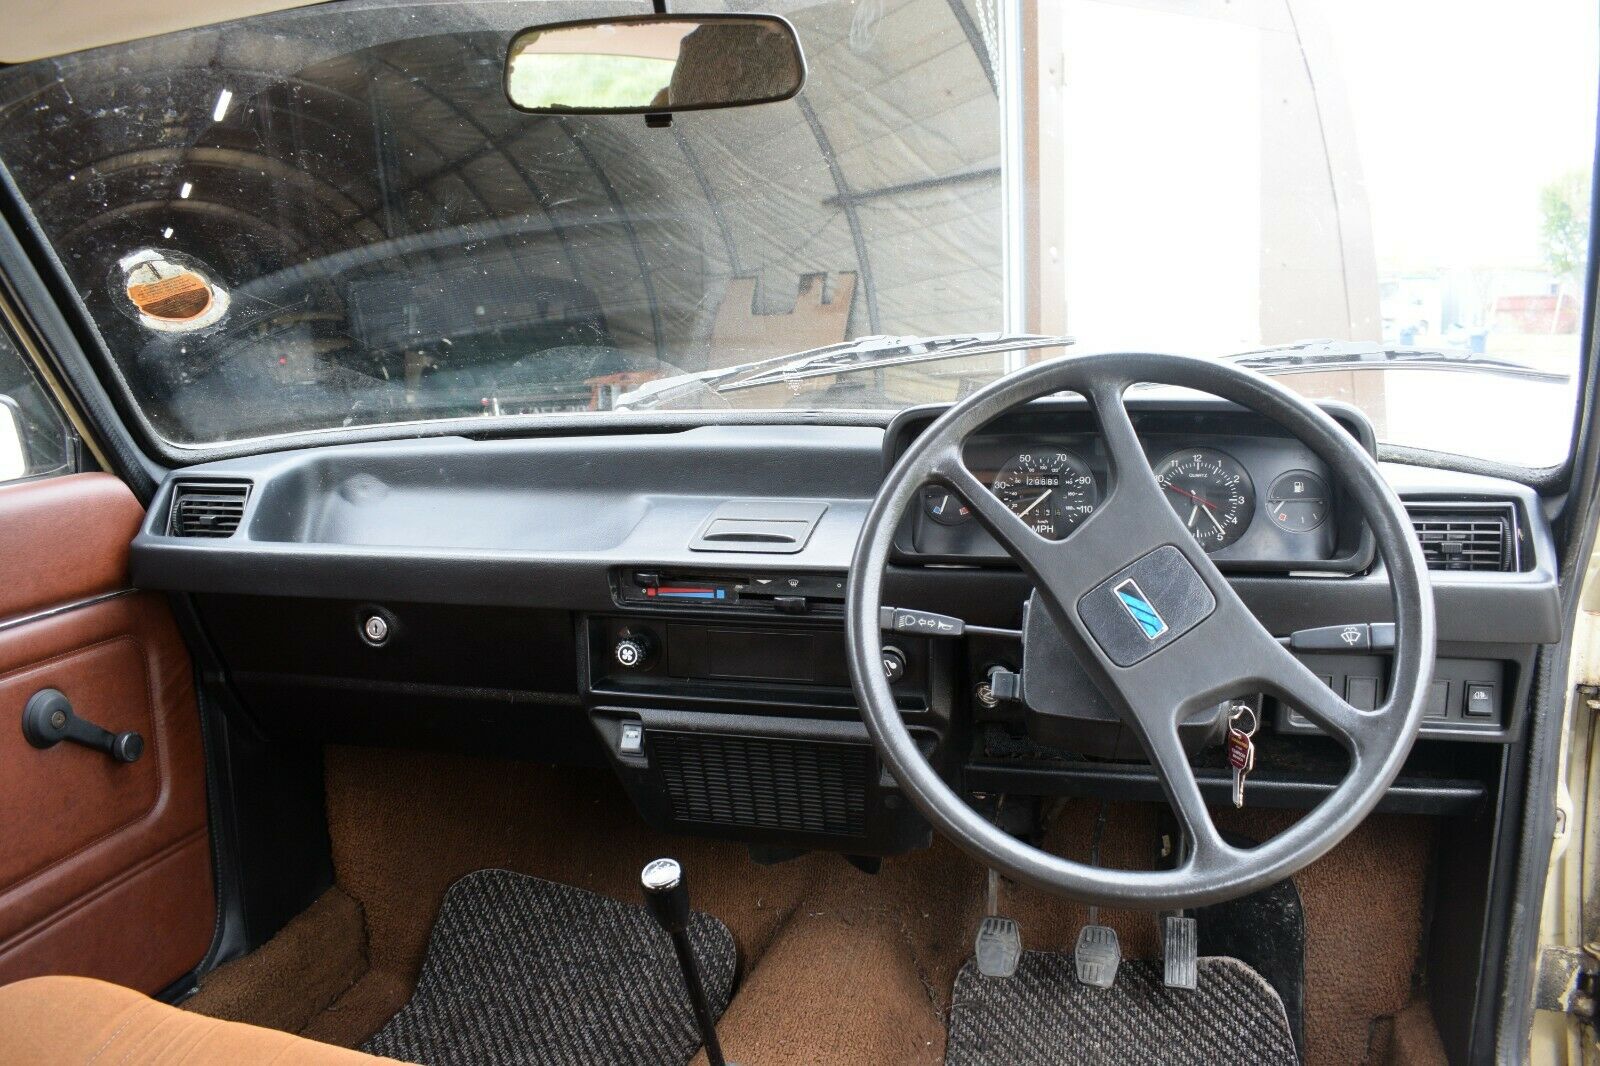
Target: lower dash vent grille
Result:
[764, 783]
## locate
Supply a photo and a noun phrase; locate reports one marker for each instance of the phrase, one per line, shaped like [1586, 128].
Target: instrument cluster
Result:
[1246, 493]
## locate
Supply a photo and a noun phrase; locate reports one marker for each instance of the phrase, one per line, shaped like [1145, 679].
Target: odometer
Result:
[1211, 492]
[1049, 489]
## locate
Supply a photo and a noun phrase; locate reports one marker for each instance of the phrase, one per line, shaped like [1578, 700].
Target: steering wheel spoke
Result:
[1015, 535]
[1136, 483]
[1165, 751]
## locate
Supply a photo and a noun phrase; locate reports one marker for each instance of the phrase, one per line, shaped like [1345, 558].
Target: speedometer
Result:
[1211, 493]
[1049, 489]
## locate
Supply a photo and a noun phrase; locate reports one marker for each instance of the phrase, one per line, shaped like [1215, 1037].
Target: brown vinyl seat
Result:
[80, 1020]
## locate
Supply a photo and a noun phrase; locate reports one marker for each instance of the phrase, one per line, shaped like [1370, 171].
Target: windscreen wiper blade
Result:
[862, 353]
[877, 352]
[1308, 356]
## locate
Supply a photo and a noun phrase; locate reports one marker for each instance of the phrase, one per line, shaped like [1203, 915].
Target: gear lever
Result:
[667, 898]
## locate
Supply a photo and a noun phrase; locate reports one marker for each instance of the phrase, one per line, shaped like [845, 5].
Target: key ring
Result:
[1239, 711]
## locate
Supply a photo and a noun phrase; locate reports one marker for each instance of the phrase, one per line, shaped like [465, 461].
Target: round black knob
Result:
[127, 747]
[894, 664]
[634, 650]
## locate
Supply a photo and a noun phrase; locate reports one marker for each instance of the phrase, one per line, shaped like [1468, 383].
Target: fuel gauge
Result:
[1298, 501]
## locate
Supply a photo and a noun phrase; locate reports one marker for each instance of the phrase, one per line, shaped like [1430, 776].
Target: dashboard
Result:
[1251, 495]
[670, 603]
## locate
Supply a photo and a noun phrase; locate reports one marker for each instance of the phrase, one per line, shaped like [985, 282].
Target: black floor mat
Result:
[520, 970]
[1043, 1015]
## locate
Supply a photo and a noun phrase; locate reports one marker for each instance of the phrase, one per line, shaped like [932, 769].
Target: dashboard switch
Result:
[1478, 700]
[1361, 693]
[1438, 700]
[631, 740]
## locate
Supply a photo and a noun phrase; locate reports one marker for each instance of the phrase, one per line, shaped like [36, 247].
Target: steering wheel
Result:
[1196, 646]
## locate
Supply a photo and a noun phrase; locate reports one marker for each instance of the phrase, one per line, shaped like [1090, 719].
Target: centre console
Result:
[724, 703]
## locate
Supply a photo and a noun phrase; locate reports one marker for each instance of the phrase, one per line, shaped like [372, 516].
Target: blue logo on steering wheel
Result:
[1139, 607]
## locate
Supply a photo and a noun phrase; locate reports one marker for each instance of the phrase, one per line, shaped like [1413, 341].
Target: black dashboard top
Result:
[549, 521]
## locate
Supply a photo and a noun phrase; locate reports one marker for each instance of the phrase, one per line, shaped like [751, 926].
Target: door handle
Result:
[48, 719]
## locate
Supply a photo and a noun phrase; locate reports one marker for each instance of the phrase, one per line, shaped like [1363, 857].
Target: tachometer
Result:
[1211, 493]
[1049, 489]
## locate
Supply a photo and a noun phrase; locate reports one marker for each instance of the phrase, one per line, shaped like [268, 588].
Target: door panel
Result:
[105, 867]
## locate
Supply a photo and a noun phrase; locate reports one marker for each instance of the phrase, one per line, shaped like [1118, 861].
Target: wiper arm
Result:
[1308, 356]
[876, 352]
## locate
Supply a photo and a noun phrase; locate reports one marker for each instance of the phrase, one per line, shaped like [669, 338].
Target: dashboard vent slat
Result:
[1467, 536]
[207, 510]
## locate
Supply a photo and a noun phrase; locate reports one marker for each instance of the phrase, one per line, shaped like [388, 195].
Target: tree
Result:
[1564, 224]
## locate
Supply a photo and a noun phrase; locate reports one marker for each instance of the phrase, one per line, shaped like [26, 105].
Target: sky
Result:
[1463, 110]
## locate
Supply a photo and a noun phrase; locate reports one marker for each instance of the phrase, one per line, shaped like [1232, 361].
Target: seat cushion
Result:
[81, 1020]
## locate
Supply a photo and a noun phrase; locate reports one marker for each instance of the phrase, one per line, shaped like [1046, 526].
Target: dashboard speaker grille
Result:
[1467, 537]
[764, 783]
[207, 510]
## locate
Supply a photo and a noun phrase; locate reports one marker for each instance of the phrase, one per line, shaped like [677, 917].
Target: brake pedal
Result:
[998, 947]
[1097, 955]
[1179, 952]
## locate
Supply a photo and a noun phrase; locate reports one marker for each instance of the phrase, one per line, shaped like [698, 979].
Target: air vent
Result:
[764, 783]
[207, 510]
[1467, 536]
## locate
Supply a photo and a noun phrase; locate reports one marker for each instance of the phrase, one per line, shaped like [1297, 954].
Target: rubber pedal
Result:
[998, 947]
[1098, 955]
[1179, 952]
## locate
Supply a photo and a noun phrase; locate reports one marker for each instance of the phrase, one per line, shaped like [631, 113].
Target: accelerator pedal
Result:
[1179, 944]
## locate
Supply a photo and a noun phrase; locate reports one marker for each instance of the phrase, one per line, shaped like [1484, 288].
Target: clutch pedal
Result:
[998, 947]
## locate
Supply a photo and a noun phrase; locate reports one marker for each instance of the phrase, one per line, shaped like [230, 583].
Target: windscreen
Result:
[333, 217]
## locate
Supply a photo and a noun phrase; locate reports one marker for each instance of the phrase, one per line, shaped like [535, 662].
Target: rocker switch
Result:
[631, 742]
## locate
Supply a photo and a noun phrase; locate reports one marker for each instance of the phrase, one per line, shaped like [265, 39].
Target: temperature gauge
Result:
[1298, 501]
[944, 506]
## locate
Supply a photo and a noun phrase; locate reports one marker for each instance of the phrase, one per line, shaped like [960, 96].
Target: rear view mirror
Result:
[654, 64]
[13, 452]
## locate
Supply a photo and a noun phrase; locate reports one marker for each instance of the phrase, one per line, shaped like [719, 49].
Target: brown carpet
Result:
[836, 966]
